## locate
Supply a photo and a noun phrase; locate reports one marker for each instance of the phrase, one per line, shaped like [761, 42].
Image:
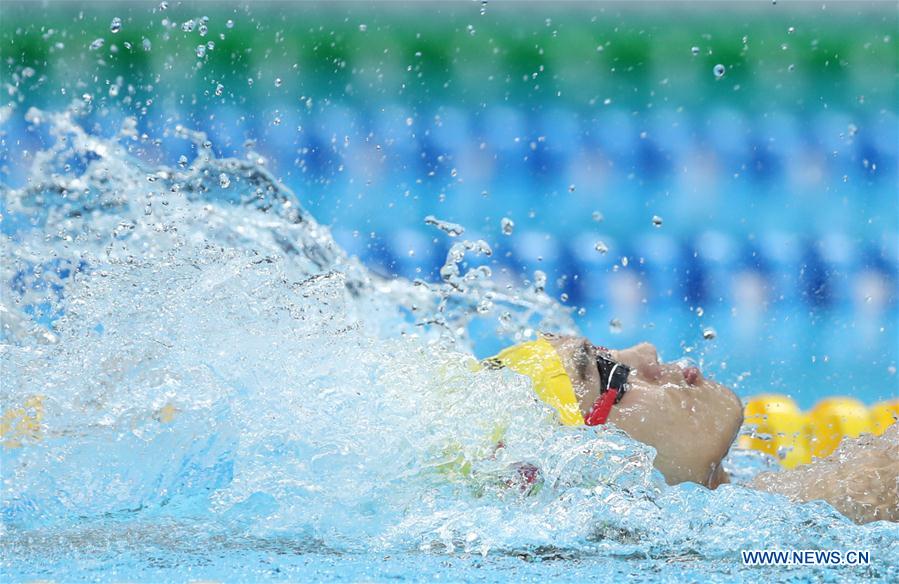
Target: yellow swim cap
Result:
[539, 361]
[780, 429]
[834, 418]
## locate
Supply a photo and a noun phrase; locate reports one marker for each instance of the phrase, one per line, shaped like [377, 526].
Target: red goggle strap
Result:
[602, 407]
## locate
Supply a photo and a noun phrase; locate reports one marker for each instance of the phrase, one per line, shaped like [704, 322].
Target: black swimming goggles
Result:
[613, 385]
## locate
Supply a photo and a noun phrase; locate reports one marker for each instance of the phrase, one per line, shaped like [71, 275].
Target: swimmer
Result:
[692, 422]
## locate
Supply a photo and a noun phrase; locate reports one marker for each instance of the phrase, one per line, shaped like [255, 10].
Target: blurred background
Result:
[717, 178]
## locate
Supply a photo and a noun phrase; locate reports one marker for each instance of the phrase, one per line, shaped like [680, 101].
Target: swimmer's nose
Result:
[692, 375]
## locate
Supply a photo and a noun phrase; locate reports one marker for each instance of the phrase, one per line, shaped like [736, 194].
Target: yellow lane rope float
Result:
[781, 429]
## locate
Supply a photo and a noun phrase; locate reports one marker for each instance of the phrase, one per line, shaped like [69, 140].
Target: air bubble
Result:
[363, 27]
[219, 89]
[278, 82]
[719, 70]
[615, 326]
[656, 221]
[601, 247]
[709, 333]
[229, 24]
[597, 216]
[224, 181]
[116, 25]
[507, 225]
[695, 51]
[97, 44]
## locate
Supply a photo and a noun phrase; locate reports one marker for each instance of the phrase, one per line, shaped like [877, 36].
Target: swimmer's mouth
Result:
[613, 385]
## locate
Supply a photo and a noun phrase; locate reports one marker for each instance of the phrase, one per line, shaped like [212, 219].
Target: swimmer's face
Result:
[691, 421]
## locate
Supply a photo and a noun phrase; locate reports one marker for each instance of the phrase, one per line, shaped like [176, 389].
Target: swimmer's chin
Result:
[672, 417]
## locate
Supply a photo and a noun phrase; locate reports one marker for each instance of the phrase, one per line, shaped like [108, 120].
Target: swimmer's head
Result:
[690, 420]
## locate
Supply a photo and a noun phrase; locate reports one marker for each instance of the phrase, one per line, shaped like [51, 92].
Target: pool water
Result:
[228, 395]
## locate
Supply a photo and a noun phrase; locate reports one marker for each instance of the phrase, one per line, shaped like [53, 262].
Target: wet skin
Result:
[690, 420]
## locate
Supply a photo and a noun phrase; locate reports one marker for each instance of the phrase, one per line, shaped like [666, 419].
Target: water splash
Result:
[209, 358]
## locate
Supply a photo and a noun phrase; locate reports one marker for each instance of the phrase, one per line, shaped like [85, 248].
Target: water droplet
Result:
[709, 333]
[539, 281]
[601, 247]
[224, 181]
[116, 25]
[695, 51]
[507, 225]
[451, 229]
[719, 70]
[615, 326]
[656, 221]
[278, 82]
[597, 216]
[97, 44]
